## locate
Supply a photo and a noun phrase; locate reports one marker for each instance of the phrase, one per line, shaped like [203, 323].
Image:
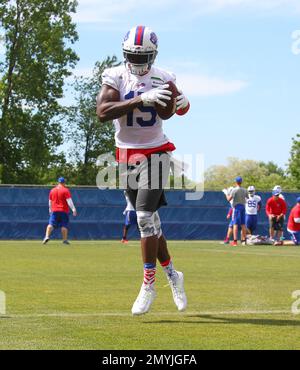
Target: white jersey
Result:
[129, 206]
[252, 204]
[141, 128]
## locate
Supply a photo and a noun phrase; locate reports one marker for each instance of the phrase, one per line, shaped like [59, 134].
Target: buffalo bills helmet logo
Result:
[153, 38]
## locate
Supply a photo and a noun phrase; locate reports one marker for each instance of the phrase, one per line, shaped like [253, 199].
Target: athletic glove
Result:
[181, 101]
[156, 95]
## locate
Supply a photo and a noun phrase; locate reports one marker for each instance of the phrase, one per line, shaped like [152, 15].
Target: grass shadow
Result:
[218, 320]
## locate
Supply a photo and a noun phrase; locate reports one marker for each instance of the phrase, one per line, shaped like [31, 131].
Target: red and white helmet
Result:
[140, 49]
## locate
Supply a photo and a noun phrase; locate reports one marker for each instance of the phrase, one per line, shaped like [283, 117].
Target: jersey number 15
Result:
[140, 119]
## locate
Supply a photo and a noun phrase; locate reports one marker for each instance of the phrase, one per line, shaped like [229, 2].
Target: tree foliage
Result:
[294, 162]
[264, 176]
[38, 35]
[87, 137]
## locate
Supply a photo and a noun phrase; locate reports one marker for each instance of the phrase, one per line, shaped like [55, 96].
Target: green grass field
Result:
[80, 297]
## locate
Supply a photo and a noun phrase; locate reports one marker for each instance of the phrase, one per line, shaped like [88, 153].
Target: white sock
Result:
[169, 270]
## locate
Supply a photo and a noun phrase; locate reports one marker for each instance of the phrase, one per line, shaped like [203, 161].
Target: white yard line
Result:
[230, 251]
[128, 314]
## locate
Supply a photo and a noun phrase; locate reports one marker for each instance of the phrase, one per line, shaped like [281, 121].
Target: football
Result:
[168, 111]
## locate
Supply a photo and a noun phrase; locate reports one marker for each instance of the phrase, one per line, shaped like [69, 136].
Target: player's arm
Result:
[269, 210]
[227, 194]
[229, 197]
[71, 205]
[284, 208]
[50, 206]
[110, 107]
[259, 205]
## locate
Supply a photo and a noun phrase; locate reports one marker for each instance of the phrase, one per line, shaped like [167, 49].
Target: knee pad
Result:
[145, 222]
[157, 224]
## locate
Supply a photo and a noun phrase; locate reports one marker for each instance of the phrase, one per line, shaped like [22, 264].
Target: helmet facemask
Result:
[251, 191]
[140, 50]
[139, 63]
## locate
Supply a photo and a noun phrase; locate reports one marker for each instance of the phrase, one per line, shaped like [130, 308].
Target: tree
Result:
[88, 138]
[272, 168]
[38, 57]
[264, 176]
[294, 162]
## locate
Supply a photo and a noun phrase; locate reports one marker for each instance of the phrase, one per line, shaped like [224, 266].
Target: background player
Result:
[128, 96]
[238, 197]
[276, 209]
[253, 207]
[59, 202]
[228, 217]
[130, 218]
[294, 225]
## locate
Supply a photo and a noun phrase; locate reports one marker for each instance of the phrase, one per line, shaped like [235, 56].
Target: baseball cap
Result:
[276, 192]
[239, 179]
[298, 200]
[61, 180]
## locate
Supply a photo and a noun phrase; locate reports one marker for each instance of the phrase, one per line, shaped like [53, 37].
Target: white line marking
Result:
[127, 314]
[230, 251]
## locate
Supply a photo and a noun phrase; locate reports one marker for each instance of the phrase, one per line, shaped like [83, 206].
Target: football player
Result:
[228, 217]
[60, 203]
[238, 197]
[294, 225]
[253, 207]
[130, 218]
[128, 96]
[276, 209]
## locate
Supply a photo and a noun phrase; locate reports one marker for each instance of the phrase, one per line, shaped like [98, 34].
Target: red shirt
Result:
[295, 213]
[58, 197]
[276, 207]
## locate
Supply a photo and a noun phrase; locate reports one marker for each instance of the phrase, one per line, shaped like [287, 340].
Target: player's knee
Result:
[145, 222]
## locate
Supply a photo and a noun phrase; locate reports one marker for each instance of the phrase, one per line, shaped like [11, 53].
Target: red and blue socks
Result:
[149, 274]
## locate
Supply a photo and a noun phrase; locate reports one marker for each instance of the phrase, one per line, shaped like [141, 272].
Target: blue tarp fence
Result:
[24, 214]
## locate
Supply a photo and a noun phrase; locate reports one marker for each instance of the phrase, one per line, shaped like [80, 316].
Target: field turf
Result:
[80, 297]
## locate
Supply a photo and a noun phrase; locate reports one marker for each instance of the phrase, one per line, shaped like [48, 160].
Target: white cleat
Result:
[177, 285]
[144, 300]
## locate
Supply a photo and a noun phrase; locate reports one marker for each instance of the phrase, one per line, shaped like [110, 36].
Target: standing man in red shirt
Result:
[59, 202]
[294, 225]
[276, 209]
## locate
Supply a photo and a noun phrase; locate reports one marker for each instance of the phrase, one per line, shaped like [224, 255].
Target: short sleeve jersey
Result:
[252, 205]
[141, 128]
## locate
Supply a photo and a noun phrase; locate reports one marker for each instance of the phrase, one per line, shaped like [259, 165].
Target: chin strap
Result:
[143, 70]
